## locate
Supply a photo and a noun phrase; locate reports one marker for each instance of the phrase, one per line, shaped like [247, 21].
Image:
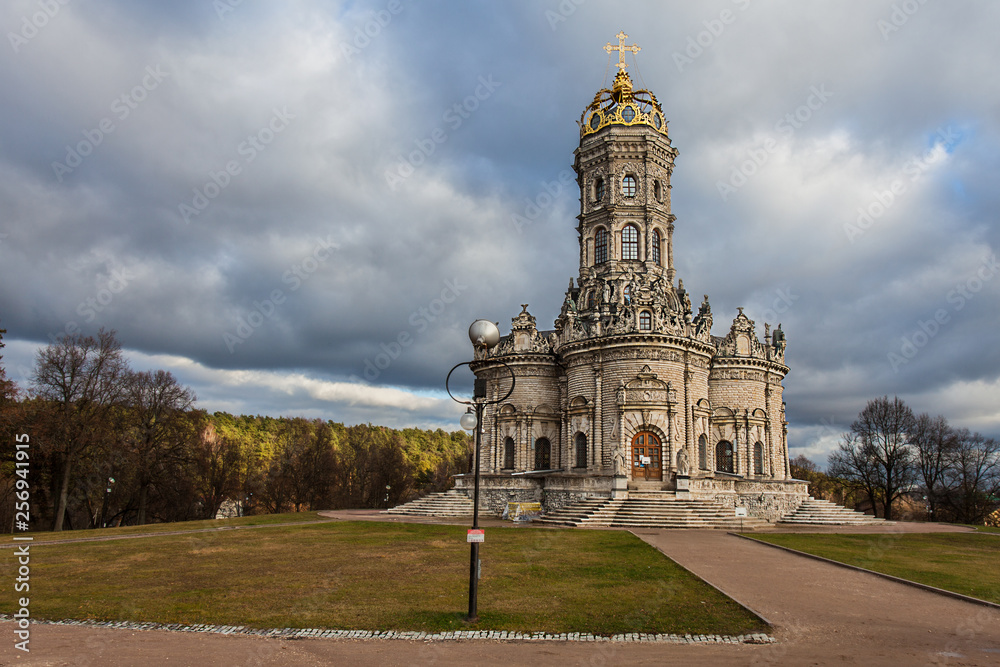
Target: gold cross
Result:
[621, 49]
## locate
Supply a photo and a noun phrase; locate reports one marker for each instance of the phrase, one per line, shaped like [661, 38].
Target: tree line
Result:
[890, 453]
[114, 446]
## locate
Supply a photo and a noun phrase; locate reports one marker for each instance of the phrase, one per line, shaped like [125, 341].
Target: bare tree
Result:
[82, 376]
[972, 479]
[854, 465]
[156, 428]
[876, 453]
[933, 443]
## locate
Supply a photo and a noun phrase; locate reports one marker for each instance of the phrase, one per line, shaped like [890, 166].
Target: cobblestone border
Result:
[409, 635]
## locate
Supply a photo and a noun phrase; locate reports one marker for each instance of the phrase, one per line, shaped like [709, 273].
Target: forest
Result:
[110, 446]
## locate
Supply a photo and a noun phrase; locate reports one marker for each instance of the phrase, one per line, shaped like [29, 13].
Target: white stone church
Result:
[631, 393]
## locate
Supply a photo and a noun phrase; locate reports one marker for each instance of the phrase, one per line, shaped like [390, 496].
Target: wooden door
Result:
[646, 463]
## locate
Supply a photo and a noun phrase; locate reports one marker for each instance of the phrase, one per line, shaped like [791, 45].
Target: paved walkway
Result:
[823, 615]
[834, 615]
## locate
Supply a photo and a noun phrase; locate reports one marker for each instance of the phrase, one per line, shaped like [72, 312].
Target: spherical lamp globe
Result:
[484, 333]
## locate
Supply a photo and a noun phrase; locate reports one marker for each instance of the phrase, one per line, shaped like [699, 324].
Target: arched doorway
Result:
[646, 457]
[543, 454]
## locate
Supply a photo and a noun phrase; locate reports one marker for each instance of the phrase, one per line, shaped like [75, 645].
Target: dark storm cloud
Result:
[299, 208]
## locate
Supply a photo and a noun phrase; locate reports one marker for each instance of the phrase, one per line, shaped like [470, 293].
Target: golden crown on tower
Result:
[622, 104]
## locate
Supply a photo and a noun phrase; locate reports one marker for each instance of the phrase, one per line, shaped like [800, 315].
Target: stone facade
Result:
[630, 389]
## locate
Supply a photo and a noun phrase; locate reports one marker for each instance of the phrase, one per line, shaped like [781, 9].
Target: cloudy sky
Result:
[265, 197]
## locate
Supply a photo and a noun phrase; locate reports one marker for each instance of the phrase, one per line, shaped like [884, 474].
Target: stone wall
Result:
[561, 490]
[495, 491]
[764, 499]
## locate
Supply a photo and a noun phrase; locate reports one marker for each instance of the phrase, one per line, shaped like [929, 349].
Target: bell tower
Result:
[623, 167]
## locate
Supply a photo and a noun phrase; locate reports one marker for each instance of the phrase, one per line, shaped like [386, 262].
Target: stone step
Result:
[815, 511]
[443, 504]
[643, 510]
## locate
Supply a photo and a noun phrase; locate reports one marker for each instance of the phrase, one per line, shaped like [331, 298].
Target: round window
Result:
[628, 114]
[595, 121]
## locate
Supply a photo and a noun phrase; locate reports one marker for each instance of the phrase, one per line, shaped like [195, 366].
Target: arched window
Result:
[645, 321]
[629, 186]
[581, 450]
[599, 190]
[702, 453]
[724, 456]
[590, 300]
[508, 454]
[656, 190]
[543, 454]
[601, 246]
[758, 459]
[654, 247]
[627, 294]
[630, 242]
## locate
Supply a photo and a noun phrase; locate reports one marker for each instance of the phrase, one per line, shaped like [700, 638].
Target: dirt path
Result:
[823, 615]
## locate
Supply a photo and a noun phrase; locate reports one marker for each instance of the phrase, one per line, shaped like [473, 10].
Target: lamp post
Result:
[104, 505]
[484, 335]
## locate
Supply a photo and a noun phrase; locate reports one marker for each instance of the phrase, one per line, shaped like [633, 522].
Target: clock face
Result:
[628, 114]
[595, 121]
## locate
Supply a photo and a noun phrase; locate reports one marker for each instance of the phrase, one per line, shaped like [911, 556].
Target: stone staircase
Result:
[587, 512]
[826, 513]
[445, 503]
[649, 510]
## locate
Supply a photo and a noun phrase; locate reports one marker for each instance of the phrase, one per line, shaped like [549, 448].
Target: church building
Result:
[631, 392]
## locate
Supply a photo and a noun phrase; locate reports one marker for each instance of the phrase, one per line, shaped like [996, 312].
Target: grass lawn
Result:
[257, 520]
[965, 563]
[379, 576]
